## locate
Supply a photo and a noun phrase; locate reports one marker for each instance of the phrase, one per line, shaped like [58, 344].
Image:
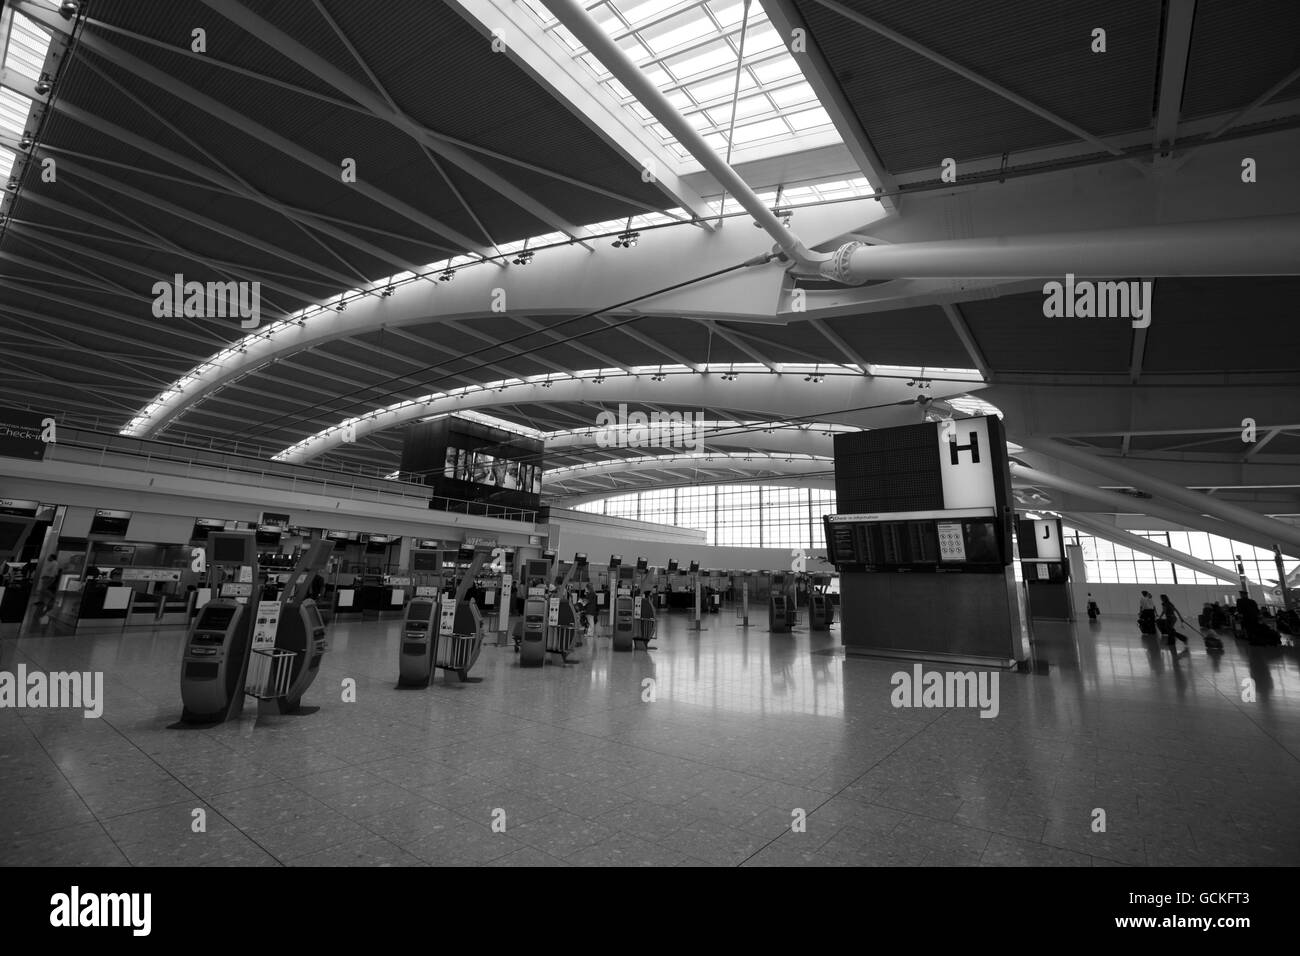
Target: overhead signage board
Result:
[20, 434]
[966, 459]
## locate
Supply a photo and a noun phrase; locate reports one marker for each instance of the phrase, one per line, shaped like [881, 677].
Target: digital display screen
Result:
[231, 550]
[915, 544]
[268, 534]
[424, 561]
[485, 469]
[215, 617]
[626, 573]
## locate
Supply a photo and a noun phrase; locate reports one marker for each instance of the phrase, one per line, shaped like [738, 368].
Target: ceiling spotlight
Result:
[729, 376]
[658, 377]
[43, 85]
[599, 380]
[12, 185]
[546, 384]
[524, 257]
[815, 378]
[68, 9]
[388, 290]
[626, 240]
[446, 275]
[25, 142]
[341, 306]
[911, 383]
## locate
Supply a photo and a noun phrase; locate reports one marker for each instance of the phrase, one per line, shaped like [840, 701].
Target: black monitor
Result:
[215, 617]
[695, 566]
[626, 573]
[641, 564]
[465, 553]
[425, 561]
[672, 565]
[549, 554]
[231, 548]
[580, 559]
[615, 560]
[268, 534]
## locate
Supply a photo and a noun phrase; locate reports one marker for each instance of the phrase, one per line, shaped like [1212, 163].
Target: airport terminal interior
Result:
[649, 433]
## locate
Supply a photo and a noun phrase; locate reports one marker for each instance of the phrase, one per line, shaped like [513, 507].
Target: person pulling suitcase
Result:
[1168, 621]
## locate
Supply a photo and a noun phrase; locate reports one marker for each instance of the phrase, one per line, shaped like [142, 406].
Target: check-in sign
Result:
[20, 434]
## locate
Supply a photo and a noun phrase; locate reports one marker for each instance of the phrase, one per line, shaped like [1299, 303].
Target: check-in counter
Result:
[143, 609]
[105, 607]
[346, 601]
[175, 609]
[13, 603]
[382, 600]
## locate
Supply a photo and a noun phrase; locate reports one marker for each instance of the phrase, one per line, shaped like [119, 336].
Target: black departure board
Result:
[888, 469]
[913, 545]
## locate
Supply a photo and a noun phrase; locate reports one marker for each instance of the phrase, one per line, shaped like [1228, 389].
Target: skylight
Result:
[690, 50]
[25, 49]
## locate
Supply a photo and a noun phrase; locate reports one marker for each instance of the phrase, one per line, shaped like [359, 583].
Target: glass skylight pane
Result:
[795, 95]
[775, 69]
[677, 31]
[14, 109]
[723, 86]
[759, 131]
[6, 163]
[728, 12]
[702, 60]
[809, 119]
[639, 11]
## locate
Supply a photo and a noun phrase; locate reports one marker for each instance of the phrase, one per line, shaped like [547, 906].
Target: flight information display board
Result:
[915, 541]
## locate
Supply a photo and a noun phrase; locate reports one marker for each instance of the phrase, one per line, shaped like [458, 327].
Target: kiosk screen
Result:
[214, 618]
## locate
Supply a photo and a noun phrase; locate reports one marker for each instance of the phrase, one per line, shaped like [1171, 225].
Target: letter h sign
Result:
[973, 448]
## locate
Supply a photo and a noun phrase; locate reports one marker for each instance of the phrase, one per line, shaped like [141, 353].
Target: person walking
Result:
[1147, 613]
[1169, 618]
[45, 589]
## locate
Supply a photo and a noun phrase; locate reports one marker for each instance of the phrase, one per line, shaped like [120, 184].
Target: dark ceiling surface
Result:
[225, 164]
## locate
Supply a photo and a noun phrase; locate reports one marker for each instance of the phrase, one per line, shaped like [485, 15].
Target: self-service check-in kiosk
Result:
[821, 613]
[301, 630]
[532, 645]
[779, 613]
[217, 646]
[625, 626]
[443, 631]
[643, 608]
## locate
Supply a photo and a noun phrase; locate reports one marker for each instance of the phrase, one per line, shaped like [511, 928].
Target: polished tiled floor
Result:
[745, 728]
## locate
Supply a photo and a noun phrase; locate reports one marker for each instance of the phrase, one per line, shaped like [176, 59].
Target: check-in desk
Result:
[105, 608]
[13, 603]
[346, 602]
[174, 610]
[143, 610]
